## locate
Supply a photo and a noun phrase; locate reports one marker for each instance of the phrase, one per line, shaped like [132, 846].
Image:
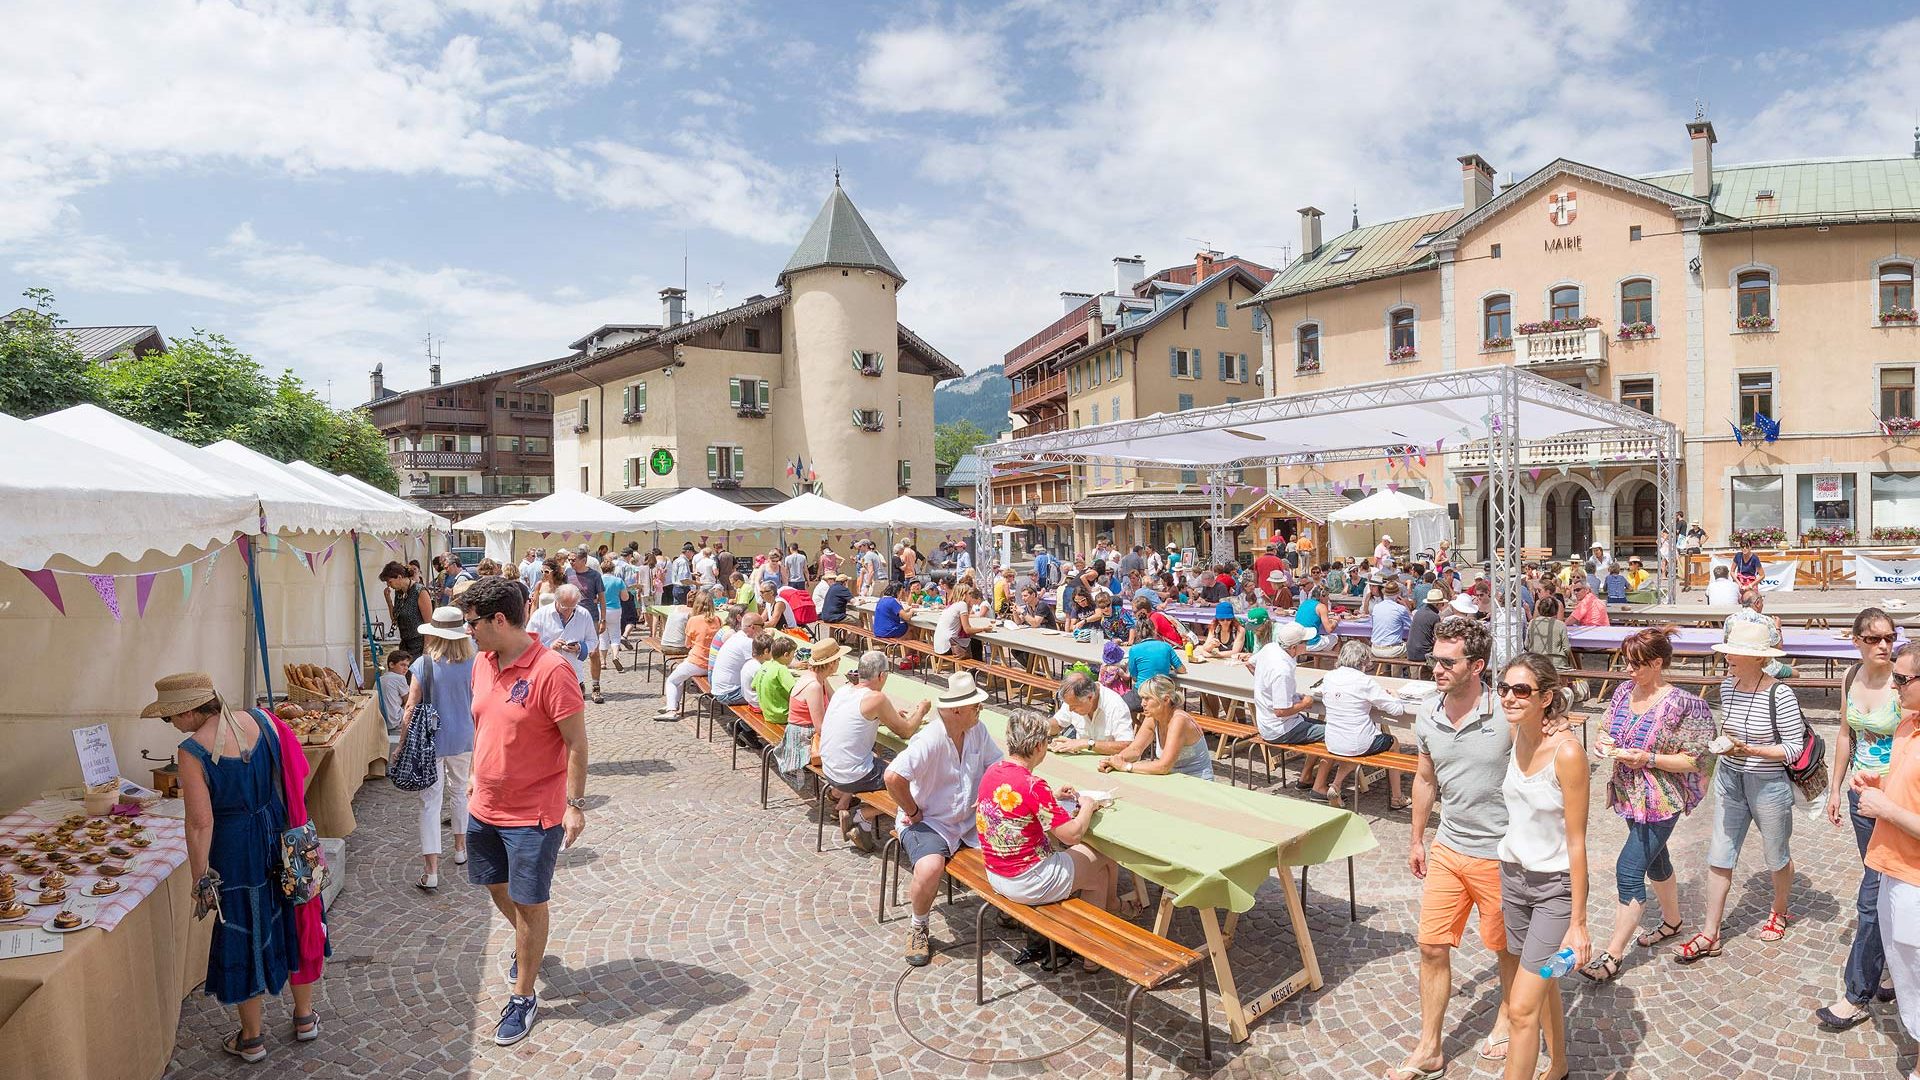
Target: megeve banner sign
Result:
[1871, 573]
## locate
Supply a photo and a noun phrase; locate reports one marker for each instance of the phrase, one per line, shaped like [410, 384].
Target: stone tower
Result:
[844, 288]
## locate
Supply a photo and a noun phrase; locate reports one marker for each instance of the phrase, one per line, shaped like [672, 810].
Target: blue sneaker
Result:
[516, 1020]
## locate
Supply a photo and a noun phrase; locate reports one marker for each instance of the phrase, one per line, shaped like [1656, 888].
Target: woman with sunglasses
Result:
[1870, 709]
[1761, 730]
[1543, 861]
[1892, 801]
[1656, 736]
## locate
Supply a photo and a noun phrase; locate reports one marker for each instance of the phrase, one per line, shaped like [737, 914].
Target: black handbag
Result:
[416, 767]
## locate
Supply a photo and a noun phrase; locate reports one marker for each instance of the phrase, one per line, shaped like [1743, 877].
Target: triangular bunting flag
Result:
[1563, 470]
[273, 543]
[1533, 474]
[109, 592]
[213, 561]
[245, 544]
[186, 584]
[49, 586]
[143, 588]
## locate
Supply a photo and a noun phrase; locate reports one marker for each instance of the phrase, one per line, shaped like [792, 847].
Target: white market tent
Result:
[555, 518]
[1357, 528]
[695, 510]
[1481, 418]
[811, 511]
[479, 521]
[907, 512]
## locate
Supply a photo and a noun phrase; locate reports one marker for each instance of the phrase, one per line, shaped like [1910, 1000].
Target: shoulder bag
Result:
[303, 869]
[1808, 771]
[415, 767]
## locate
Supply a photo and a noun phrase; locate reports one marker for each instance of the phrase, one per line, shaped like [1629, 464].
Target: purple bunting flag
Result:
[143, 588]
[109, 592]
[49, 586]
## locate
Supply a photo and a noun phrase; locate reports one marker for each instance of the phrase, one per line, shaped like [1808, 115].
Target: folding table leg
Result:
[1223, 974]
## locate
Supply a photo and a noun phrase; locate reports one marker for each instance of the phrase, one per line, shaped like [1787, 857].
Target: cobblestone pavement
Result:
[696, 935]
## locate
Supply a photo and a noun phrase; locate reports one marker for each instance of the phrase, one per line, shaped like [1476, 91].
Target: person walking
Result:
[565, 627]
[1892, 801]
[529, 786]
[1463, 754]
[236, 809]
[1761, 730]
[1656, 736]
[1543, 861]
[619, 597]
[443, 678]
[585, 576]
[1870, 714]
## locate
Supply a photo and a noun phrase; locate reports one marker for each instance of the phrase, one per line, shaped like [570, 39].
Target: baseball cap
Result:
[1289, 634]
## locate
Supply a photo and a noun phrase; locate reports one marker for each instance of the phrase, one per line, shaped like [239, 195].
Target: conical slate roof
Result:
[839, 236]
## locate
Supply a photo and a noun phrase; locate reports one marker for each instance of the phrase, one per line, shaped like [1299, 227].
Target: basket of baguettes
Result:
[311, 682]
[318, 705]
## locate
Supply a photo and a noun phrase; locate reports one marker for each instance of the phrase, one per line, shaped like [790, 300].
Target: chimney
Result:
[1700, 130]
[376, 382]
[673, 307]
[1309, 231]
[1071, 302]
[1127, 272]
[433, 374]
[1203, 265]
[1476, 182]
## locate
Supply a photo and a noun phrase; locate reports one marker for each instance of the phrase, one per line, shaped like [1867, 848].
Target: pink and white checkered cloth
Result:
[147, 870]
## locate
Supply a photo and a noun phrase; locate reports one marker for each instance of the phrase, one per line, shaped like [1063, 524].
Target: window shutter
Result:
[626, 474]
[1243, 367]
[859, 361]
[766, 389]
[733, 393]
[713, 462]
[739, 462]
[1173, 361]
[626, 400]
[1199, 372]
[1119, 364]
[640, 397]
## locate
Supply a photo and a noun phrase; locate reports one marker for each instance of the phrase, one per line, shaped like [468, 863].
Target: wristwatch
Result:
[579, 803]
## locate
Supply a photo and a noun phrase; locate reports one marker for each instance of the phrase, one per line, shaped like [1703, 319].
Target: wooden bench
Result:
[1028, 683]
[1134, 953]
[769, 734]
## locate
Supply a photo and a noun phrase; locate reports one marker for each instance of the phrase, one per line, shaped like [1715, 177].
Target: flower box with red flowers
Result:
[1896, 534]
[1400, 355]
[1556, 326]
[1768, 537]
[1828, 534]
[1900, 425]
[1497, 344]
[1899, 316]
[1635, 330]
[1754, 322]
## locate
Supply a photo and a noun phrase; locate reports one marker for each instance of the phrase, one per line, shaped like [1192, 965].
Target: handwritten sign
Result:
[98, 765]
[29, 942]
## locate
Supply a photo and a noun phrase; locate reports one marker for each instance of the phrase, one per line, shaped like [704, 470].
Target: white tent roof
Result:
[486, 517]
[390, 513]
[907, 512]
[562, 511]
[1382, 505]
[695, 509]
[319, 509]
[386, 497]
[67, 497]
[811, 511]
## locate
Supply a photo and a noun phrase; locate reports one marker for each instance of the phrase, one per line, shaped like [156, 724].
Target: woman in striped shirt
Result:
[1761, 729]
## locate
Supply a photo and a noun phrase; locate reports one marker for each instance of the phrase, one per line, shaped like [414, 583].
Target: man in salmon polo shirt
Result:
[527, 796]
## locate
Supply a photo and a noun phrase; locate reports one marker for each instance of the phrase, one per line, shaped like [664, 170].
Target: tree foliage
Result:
[201, 389]
[41, 369]
[953, 441]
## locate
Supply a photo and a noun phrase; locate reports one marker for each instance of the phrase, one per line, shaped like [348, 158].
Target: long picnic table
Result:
[1207, 846]
[1837, 614]
[1799, 642]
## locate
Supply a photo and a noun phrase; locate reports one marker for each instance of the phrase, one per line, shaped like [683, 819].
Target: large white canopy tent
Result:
[550, 522]
[907, 512]
[695, 511]
[811, 511]
[1480, 417]
[1357, 529]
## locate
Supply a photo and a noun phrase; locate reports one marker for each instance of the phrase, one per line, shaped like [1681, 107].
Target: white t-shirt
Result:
[1723, 591]
[728, 659]
[674, 634]
[795, 565]
[945, 780]
[846, 736]
[1275, 686]
[747, 671]
[1348, 698]
[547, 625]
[947, 631]
[1111, 721]
[706, 571]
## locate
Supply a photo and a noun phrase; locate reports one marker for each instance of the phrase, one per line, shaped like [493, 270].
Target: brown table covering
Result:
[339, 769]
[107, 1006]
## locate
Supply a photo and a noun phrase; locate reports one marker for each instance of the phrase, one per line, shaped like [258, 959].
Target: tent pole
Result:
[985, 559]
[1669, 496]
[1503, 488]
[1219, 541]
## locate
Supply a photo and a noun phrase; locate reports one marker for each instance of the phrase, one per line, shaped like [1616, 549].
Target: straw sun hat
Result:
[1748, 637]
[822, 654]
[183, 692]
[448, 622]
[960, 691]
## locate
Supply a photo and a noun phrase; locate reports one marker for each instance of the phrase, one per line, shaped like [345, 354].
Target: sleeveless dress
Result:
[253, 944]
[1194, 759]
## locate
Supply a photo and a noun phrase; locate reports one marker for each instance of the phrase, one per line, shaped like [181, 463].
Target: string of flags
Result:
[111, 589]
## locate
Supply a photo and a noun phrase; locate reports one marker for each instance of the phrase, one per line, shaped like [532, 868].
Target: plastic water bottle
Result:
[1559, 964]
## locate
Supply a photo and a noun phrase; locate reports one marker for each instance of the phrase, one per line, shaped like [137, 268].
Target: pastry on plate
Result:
[93, 858]
[119, 852]
[113, 869]
[137, 841]
[7, 850]
[67, 920]
[12, 909]
[53, 880]
[28, 863]
[52, 897]
[74, 819]
[104, 887]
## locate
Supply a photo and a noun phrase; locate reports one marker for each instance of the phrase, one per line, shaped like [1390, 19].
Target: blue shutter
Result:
[1243, 367]
[1173, 362]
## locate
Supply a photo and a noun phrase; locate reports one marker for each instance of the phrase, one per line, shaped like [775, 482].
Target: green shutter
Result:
[1119, 364]
[713, 462]
[626, 474]
[766, 390]
[733, 393]
[640, 396]
[739, 462]
[626, 400]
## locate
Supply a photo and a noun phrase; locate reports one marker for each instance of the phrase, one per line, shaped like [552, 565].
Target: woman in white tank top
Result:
[1543, 860]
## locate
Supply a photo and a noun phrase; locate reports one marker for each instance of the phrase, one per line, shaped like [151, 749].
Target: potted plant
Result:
[1307, 367]
[1555, 326]
[1633, 330]
[1828, 534]
[1754, 322]
[1903, 315]
[1899, 425]
[1752, 431]
[1496, 344]
[1766, 537]
[1896, 534]
[1400, 354]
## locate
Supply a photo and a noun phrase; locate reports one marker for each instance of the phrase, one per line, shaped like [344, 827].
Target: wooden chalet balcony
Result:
[1042, 427]
[1051, 387]
[439, 459]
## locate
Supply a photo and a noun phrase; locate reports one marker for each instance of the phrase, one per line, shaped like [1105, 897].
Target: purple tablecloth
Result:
[1690, 641]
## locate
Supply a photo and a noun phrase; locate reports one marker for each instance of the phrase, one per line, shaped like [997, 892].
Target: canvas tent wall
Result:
[1415, 524]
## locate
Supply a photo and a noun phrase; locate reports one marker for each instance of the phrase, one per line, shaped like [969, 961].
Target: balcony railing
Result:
[1043, 427]
[1569, 450]
[723, 483]
[1050, 387]
[1588, 346]
[439, 459]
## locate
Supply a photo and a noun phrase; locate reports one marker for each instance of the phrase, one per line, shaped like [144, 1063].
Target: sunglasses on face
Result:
[477, 620]
[1523, 691]
[1875, 639]
[1446, 662]
[1900, 681]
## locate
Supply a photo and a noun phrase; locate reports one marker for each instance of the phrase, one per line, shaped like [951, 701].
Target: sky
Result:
[328, 182]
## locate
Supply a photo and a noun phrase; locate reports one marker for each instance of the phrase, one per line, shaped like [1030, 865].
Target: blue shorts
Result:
[521, 857]
[921, 840]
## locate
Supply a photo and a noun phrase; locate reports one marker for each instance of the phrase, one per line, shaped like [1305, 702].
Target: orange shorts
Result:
[1457, 884]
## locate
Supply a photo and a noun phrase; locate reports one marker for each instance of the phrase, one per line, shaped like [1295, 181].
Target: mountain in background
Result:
[981, 397]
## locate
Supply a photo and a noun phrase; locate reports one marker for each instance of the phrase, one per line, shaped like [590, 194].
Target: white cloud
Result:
[710, 182]
[1849, 111]
[593, 60]
[932, 69]
[705, 26]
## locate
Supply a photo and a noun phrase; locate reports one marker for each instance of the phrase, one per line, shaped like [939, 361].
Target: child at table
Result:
[393, 689]
[1113, 668]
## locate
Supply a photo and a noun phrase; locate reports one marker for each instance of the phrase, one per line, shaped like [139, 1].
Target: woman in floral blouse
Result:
[1656, 736]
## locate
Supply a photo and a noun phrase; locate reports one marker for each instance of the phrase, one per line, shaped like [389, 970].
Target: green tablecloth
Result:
[1212, 845]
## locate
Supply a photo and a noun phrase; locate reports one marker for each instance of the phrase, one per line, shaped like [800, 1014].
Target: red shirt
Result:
[1165, 627]
[1262, 566]
[1015, 812]
[519, 756]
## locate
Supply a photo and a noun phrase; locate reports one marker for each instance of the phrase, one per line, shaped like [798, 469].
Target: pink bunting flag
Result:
[1393, 486]
[1533, 474]
[109, 592]
[49, 586]
[143, 588]
[328, 557]
[245, 544]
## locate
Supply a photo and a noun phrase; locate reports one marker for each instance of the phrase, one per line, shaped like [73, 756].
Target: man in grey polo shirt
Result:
[1465, 743]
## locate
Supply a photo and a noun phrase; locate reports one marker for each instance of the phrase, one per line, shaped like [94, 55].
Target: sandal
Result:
[306, 1028]
[1489, 1046]
[252, 1051]
[428, 883]
[1774, 928]
[1401, 805]
[1697, 947]
[1409, 1072]
[1606, 964]
[1654, 937]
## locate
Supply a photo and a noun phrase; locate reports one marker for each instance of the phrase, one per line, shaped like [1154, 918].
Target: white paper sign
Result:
[1885, 573]
[98, 765]
[30, 941]
[1774, 576]
[1826, 487]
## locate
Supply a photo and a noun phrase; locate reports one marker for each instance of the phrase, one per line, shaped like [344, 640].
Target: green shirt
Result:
[772, 686]
[746, 597]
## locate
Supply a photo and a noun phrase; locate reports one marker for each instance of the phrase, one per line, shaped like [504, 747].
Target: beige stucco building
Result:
[1723, 299]
[1163, 343]
[814, 387]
